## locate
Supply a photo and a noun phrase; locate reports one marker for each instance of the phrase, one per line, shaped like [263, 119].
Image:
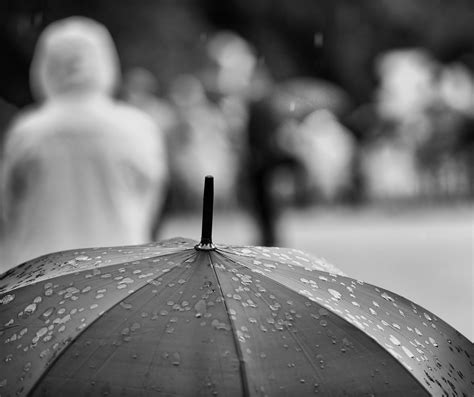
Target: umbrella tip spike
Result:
[207, 215]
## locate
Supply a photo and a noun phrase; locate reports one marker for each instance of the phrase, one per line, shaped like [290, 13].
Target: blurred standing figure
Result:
[81, 169]
[141, 89]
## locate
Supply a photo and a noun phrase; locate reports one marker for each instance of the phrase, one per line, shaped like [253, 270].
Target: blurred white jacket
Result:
[81, 169]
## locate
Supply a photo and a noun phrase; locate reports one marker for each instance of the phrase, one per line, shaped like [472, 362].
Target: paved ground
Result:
[425, 255]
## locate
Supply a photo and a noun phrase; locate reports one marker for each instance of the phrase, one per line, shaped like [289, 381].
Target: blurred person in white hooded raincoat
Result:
[81, 169]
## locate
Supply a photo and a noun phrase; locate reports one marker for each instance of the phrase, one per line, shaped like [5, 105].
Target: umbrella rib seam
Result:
[243, 373]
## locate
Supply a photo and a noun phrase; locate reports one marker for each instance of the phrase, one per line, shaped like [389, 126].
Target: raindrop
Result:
[125, 331]
[200, 308]
[83, 258]
[335, 294]
[41, 332]
[176, 359]
[135, 326]
[48, 312]
[3, 383]
[408, 352]
[323, 323]
[126, 306]
[394, 340]
[7, 299]
[387, 297]
[30, 309]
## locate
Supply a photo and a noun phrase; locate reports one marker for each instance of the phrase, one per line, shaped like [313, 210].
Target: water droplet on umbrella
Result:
[323, 312]
[30, 309]
[408, 352]
[41, 332]
[126, 331]
[83, 258]
[7, 299]
[387, 297]
[394, 340]
[48, 312]
[200, 308]
[335, 293]
[3, 383]
[176, 359]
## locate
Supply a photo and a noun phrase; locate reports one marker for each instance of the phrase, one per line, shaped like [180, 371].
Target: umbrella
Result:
[188, 318]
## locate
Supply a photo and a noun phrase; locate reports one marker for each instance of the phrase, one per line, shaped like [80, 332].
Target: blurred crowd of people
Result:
[101, 160]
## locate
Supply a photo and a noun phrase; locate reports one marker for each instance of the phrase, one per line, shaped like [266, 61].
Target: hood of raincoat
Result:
[72, 55]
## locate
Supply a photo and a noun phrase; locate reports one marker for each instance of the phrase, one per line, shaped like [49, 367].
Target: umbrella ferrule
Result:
[205, 246]
[207, 214]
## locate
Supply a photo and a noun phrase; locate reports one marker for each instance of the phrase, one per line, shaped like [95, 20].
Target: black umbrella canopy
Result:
[188, 319]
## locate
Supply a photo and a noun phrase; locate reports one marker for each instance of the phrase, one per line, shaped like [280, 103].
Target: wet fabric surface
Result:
[167, 319]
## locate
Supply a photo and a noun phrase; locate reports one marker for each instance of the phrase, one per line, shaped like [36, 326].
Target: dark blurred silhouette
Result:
[298, 151]
[79, 169]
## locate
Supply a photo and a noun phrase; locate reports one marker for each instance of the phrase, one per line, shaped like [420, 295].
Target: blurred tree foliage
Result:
[333, 39]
